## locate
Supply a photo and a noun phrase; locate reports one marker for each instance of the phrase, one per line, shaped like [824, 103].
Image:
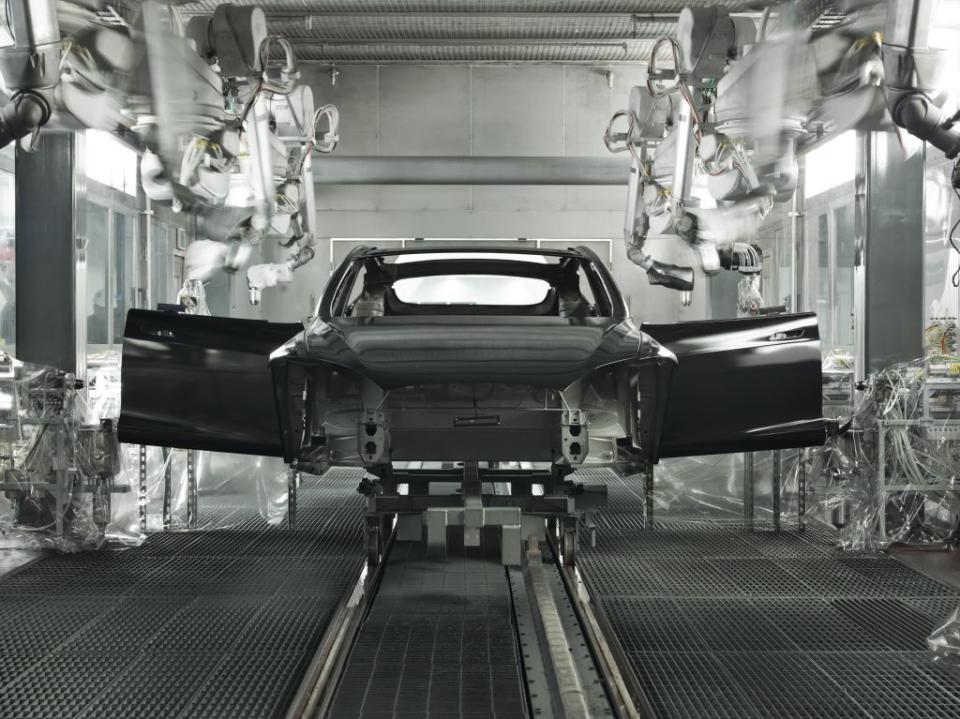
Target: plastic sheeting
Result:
[888, 475]
[62, 479]
[69, 485]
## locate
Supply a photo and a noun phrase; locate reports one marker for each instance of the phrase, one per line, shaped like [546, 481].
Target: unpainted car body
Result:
[375, 378]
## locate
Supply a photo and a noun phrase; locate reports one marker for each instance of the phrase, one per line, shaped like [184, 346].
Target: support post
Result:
[167, 487]
[889, 231]
[472, 504]
[802, 489]
[192, 507]
[798, 238]
[142, 490]
[776, 484]
[51, 253]
[648, 496]
[293, 482]
[748, 490]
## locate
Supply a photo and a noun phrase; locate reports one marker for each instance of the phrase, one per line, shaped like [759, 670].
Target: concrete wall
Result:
[461, 110]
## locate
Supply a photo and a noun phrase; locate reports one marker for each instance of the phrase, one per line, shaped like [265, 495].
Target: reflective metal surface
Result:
[200, 382]
[382, 388]
[742, 385]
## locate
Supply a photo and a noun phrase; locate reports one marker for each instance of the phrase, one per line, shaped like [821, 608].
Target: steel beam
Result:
[398, 170]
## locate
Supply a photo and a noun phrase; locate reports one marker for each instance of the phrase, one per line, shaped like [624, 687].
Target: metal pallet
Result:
[716, 621]
[216, 624]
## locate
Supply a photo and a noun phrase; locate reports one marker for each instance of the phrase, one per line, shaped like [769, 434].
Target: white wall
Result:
[459, 110]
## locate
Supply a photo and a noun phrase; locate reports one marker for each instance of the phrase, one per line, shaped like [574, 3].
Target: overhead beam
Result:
[468, 42]
[400, 170]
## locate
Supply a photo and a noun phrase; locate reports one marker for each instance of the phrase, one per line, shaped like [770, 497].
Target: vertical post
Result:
[776, 484]
[802, 489]
[472, 504]
[293, 482]
[191, 488]
[798, 238]
[142, 493]
[889, 229]
[50, 253]
[748, 490]
[167, 487]
[882, 480]
[648, 497]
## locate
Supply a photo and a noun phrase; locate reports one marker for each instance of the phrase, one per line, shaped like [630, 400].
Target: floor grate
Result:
[215, 624]
[717, 621]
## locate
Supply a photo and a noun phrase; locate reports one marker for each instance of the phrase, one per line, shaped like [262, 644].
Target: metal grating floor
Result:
[214, 624]
[438, 641]
[719, 622]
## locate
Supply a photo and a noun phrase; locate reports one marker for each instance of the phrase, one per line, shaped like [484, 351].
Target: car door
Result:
[742, 385]
[200, 382]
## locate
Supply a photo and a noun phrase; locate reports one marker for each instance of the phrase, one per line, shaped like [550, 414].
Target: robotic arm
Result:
[30, 67]
[913, 71]
[215, 107]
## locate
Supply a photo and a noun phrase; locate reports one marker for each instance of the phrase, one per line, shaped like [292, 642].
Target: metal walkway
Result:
[213, 624]
[438, 641]
[719, 622]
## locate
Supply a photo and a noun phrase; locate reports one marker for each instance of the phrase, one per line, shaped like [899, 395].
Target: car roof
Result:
[440, 247]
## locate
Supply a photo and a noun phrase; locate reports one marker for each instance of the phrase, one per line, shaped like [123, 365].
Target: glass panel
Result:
[471, 290]
[110, 162]
[218, 294]
[843, 291]
[6, 32]
[97, 263]
[160, 263]
[126, 282]
[8, 315]
[178, 263]
[832, 164]
[784, 245]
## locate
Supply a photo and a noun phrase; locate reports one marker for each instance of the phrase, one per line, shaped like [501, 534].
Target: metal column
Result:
[748, 490]
[50, 252]
[142, 491]
[888, 324]
[798, 222]
[192, 507]
[293, 483]
[776, 484]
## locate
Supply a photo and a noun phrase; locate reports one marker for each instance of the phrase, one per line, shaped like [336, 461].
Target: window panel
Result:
[218, 294]
[126, 281]
[843, 277]
[98, 291]
[110, 162]
[160, 263]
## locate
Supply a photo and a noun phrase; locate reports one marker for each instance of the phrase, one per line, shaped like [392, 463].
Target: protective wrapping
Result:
[230, 489]
[944, 641]
[69, 485]
[887, 474]
[891, 477]
[63, 476]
